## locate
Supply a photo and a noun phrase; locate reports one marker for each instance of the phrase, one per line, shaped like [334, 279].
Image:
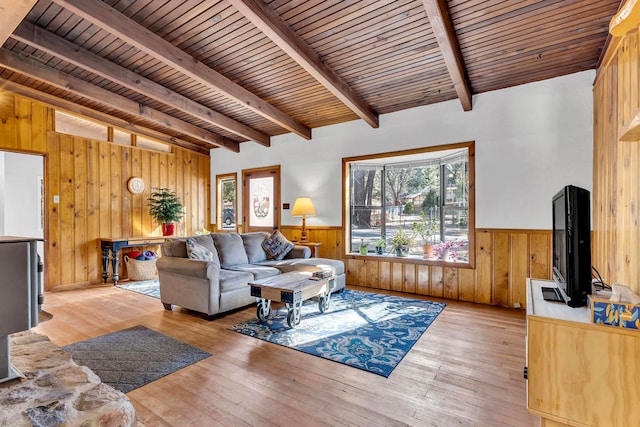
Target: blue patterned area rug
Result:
[368, 331]
[146, 287]
[133, 357]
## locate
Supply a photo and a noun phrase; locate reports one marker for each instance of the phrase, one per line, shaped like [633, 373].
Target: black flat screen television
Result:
[572, 244]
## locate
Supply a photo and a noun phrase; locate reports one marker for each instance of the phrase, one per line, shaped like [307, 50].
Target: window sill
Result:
[411, 259]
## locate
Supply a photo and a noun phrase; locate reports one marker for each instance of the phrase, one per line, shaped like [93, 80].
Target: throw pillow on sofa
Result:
[277, 246]
[199, 252]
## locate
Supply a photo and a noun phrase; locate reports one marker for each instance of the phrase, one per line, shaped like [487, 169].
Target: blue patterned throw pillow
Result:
[277, 246]
[197, 251]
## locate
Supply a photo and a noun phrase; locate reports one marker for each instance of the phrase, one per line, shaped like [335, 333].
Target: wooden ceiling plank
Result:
[74, 107]
[61, 48]
[313, 26]
[438, 14]
[560, 40]
[569, 20]
[129, 31]
[569, 47]
[87, 90]
[369, 28]
[11, 14]
[279, 32]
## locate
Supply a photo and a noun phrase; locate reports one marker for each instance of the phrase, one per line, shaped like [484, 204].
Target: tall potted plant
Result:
[166, 208]
[427, 231]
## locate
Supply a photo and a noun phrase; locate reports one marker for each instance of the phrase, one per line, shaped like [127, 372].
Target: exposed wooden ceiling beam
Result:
[438, 13]
[87, 90]
[11, 14]
[64, 49]
[126, 29]
[267, 21]
[108, 119]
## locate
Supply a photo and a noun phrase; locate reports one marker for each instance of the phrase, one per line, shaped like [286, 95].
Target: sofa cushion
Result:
[230, 249]
[175, 247]
[258, 271]
[253, 246]
[277, 246]
[232, 280]
[197, 251]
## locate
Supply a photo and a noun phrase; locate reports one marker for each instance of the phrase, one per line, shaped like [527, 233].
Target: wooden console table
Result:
[114, 245]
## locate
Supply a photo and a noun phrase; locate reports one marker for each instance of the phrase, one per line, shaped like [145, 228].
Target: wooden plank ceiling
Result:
[207, 73]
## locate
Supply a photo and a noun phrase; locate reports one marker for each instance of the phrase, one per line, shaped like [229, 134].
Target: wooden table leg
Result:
[105, 264]
[115, 264]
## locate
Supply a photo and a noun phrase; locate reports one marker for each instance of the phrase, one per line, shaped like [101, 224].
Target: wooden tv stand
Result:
[579, 373]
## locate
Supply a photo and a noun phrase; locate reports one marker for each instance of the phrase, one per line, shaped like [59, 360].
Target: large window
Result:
[417, 204]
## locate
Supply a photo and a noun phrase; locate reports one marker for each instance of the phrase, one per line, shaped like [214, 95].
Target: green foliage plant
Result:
[400, 238]
[426, 230]
[165, 206]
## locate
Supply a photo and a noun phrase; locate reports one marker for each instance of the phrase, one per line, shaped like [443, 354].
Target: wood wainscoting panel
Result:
[504, 259]
[90, 177]
[500, 271]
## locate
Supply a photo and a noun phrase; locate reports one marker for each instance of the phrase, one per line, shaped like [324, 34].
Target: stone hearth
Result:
[57, 390]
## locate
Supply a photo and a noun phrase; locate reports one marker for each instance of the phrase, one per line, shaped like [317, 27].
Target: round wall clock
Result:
[135, 185]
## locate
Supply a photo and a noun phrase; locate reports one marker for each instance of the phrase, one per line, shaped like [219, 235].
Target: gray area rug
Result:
[133, 357]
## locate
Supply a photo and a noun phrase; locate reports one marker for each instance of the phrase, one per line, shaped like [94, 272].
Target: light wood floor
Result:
[465, 370]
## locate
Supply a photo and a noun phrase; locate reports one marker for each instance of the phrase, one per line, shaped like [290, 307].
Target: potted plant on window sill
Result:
[427, 231]
[400, 242]
[381, 243]
[166, 208]
[448, 251]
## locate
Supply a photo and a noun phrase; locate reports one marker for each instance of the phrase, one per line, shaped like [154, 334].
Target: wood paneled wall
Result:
[504, 259]
[91, 179]
[616, 168]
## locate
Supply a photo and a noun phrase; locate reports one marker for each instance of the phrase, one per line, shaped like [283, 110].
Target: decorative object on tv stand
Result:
[304, 208]
[166, 208]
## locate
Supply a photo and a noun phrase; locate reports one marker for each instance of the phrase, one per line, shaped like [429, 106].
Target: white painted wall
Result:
[531, 140]
[20, 196]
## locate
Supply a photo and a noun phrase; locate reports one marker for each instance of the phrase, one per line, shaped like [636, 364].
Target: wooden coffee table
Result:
[291, 288]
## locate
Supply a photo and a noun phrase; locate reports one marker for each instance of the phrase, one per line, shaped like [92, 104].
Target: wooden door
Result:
[261, 198]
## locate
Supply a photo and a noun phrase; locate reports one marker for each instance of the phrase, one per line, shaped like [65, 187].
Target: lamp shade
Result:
[303, 207]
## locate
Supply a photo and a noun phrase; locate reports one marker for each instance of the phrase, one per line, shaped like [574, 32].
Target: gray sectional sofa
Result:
[220, 285]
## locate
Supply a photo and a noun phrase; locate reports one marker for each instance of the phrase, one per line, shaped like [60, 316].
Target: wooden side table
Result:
[315, 248]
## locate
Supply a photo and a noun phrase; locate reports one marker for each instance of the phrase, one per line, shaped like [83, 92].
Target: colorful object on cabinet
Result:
[619, 314]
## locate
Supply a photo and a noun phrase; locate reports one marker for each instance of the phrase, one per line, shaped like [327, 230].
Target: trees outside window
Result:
[402, 192]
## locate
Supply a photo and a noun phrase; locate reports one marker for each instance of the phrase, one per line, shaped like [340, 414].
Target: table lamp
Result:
[304, 208]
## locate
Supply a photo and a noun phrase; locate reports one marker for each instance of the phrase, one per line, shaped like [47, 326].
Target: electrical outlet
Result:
[56, 198]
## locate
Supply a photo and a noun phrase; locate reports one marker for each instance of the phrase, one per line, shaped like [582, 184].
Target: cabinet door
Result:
[584, 373]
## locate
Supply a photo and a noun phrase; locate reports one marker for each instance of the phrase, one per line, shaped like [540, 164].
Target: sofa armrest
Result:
[188, 267]
[299, 252]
